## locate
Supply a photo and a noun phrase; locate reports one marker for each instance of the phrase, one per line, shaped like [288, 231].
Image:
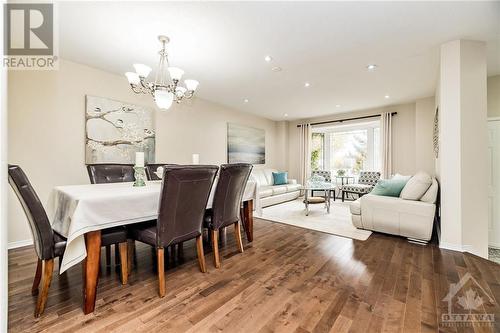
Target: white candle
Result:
[139, 159]
[196, 158]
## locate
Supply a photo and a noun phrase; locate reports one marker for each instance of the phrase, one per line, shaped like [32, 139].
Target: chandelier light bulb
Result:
[133, 78]
[142, 70]
[163, 99]
[191, 85]
[175, 73]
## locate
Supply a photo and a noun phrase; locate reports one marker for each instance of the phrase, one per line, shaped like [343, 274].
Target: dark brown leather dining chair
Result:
[110, 173]
[151, 170]
[226, 208]
[47, 242]
[183, 200]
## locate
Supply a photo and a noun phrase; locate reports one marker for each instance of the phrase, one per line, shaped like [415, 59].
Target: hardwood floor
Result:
[288, 280]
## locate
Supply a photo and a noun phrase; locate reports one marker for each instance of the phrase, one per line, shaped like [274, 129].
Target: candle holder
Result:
[140, 175]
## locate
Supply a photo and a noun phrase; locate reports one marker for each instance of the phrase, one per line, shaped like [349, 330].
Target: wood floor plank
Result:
[287, 280]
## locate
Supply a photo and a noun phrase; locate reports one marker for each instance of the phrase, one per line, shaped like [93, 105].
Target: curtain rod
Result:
[348, 119]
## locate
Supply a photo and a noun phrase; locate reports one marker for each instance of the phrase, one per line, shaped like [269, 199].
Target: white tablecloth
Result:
[77, 209]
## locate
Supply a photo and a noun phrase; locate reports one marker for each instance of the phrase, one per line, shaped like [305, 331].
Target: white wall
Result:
[4, 292]
[47, 129]
[424, 129]
[412, 136]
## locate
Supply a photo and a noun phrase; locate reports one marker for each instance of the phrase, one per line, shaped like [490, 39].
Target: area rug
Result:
[494, 254]
[337, 222]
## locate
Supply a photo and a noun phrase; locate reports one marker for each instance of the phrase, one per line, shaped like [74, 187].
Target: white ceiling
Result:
[329, 44]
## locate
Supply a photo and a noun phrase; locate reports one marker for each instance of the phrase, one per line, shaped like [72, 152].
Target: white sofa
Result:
[413, 219]
[269, 194]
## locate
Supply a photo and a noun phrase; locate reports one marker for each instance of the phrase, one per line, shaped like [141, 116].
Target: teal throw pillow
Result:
[280, 178]
[389, 187]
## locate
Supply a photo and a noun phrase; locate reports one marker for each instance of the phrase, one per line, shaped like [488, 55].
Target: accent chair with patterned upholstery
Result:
[366, 182]
[328, 178]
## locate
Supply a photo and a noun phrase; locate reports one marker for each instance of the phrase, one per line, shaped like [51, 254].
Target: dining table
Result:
[80, 212]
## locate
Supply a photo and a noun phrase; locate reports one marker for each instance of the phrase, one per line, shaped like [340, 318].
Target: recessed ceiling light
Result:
[276, 69]
[371, 67]
[245, 100]
[285, 115]
[268, 58]
[338, 105]
[307, 84]
[387, 96]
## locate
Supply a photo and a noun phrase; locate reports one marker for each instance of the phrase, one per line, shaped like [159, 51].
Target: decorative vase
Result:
[140, 175]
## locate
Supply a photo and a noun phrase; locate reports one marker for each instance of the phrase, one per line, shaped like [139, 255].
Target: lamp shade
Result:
[142, 70]
[163, 99]
[175, 73]
[133, 78]
[191, 84]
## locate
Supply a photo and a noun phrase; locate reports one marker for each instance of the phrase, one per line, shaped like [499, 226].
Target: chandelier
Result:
[165, 89]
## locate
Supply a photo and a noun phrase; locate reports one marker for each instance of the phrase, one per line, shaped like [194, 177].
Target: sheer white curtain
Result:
[304, 152]
[386, 144]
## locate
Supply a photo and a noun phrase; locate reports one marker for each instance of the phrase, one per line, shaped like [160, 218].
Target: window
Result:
[317, 157]
[353, 147]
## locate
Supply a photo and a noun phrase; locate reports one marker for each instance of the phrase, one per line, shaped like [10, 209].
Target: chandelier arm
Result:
[138, 89]
[189, 94]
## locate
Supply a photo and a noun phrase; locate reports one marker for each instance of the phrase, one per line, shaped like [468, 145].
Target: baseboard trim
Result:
[21, 243]
[461, 248]
[450, 246]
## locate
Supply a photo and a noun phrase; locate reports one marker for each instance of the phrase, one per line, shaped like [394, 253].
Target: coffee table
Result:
[326, 187]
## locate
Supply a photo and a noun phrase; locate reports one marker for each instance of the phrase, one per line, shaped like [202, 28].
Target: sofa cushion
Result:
[355, 207]
[416, 186]
[280, 178]
[259, 177]
[268, 173]
[265, 191]
[431, 195]
[279, 189]
[389, 187]
[293, 187]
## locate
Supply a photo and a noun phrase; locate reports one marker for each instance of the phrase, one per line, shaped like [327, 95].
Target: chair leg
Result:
[123, 261]
[48, 267]
[117, 255]
[215, 247]
[201, 254]
[108, 255]
[130, 254]
[161, 271]
[343, 195]
[38, 277]
[237, 234]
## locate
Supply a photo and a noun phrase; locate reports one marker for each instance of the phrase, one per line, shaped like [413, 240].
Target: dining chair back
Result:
[152, 168]
[229, 193]
[41, 229]
[110, 173]
[183, 200]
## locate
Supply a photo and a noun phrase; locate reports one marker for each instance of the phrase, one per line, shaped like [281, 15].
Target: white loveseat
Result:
[269, 194]
[413, 219]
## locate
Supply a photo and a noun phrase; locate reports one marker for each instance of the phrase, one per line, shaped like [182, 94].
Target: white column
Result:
[463, 147]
